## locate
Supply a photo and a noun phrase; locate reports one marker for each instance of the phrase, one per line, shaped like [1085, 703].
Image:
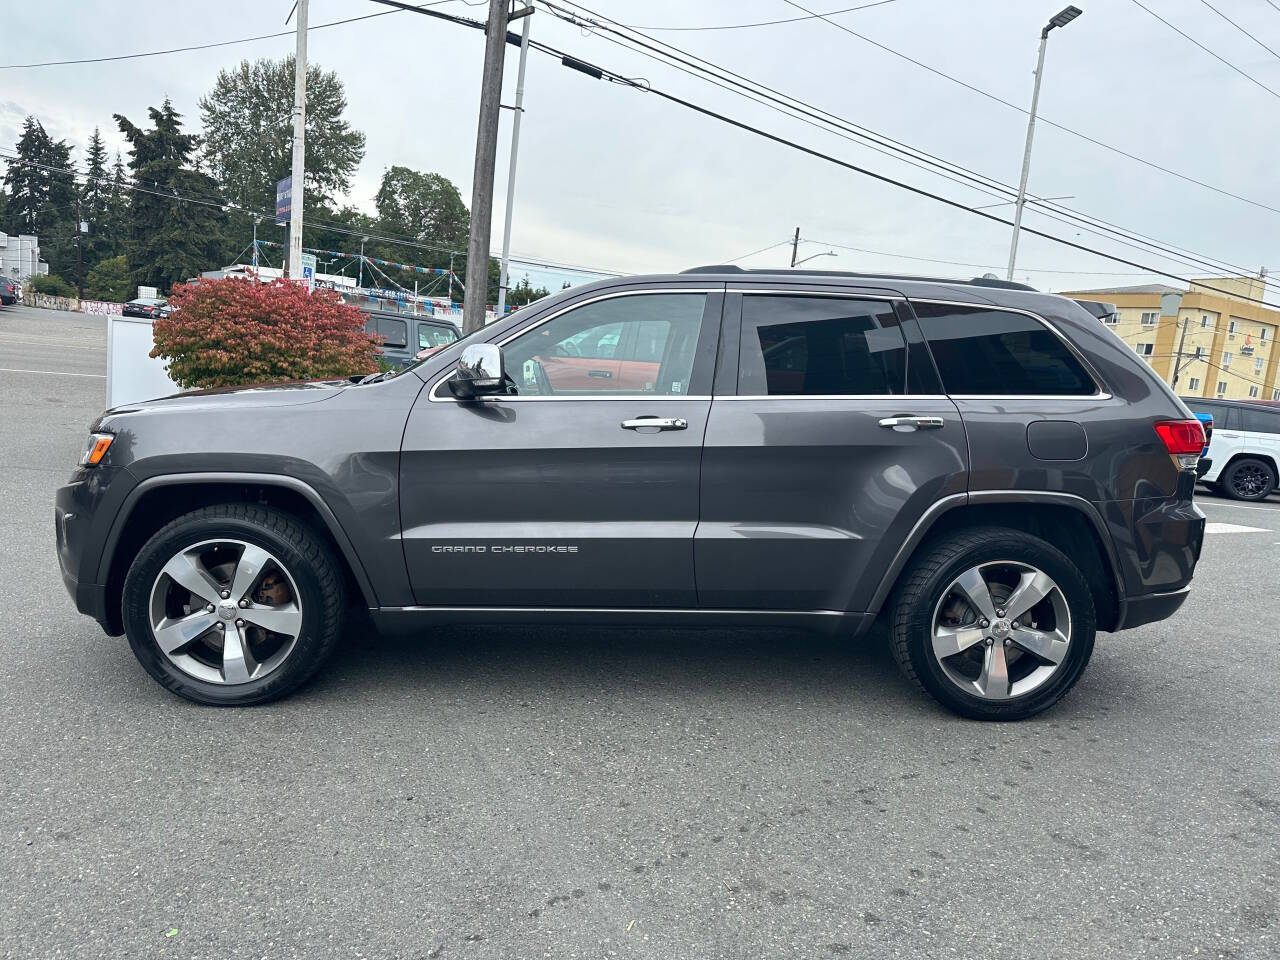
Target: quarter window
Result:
[835, 346]
[984, 352]
[644, 343]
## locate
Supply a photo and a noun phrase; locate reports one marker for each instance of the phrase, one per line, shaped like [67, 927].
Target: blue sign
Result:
[284, 201]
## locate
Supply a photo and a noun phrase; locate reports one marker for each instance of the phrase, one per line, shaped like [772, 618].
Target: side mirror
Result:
[480, 372]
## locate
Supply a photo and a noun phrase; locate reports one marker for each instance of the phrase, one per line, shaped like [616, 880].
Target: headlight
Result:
[99, 444]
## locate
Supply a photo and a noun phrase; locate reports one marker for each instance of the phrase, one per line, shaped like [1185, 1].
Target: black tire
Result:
[1248, 479]
[933, 570]
[310, 562]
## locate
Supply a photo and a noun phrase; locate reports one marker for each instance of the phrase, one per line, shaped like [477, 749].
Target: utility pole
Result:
[255, 246]
[294, 266]
[518, 112]
[79, 261]
[795, 246]
[1060, 19]
[1177, 366]
[477, 288]
[360, 281]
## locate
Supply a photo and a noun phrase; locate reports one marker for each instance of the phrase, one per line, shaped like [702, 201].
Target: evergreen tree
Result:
[41, 196]
[115, 216]
[93, 200]
[176, 218]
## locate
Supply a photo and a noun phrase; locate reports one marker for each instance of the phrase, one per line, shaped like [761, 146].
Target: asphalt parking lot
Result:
[525, 793]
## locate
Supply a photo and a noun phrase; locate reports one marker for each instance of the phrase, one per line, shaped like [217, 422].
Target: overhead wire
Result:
[1248, 76]
[1264, 46]
[880, 143]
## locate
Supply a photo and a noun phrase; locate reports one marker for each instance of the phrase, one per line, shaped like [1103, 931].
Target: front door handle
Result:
[913, 423]
[661, 423]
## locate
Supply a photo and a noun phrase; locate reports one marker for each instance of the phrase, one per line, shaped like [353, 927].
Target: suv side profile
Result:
[1244, 449]
[986, 468]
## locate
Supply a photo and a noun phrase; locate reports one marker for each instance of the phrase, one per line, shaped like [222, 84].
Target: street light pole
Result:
[511, 167]
[360, 281]
[294, 265]
[1060, 19]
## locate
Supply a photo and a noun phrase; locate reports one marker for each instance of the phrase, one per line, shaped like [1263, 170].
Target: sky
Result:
[616, 179]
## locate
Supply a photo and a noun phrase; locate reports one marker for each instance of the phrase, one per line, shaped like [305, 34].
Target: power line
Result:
[766, 23]
[1252, 79]
[1241, 29]
[611, 76]
[201, 46]
[790, 105]
[1042, 119]
[227, 206]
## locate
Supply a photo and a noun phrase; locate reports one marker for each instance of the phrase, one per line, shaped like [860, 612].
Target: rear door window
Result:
[391, 331]
[985, 352]
[1260, 421]
[820, 345]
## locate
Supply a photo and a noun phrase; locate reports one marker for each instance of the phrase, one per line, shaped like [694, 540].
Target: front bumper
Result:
[79, 532]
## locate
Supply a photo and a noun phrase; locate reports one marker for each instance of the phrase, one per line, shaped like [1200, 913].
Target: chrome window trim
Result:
[1100, 392]
[800, 291]
[434, 390]
[905, 397]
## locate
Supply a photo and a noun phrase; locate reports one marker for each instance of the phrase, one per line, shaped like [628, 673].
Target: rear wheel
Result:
[1248, 479]
[233, 604]
[994, 624]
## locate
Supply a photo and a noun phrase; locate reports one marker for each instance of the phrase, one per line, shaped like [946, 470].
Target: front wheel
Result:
[234, 604]
[994, 624]
[1248, 479]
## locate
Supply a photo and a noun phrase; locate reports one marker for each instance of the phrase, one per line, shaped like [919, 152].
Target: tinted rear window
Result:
[394, 333]
[985, 352]
[834, 346]
[1260, 421]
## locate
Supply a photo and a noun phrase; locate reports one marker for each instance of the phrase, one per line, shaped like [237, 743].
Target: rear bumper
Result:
[1203, 467]
[1151, 608]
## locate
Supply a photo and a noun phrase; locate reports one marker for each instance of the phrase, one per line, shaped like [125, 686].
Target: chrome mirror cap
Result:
[480, 371]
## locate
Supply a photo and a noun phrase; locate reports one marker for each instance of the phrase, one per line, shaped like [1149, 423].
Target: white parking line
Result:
[54, 373]
[1216, 526]
[1201, 502]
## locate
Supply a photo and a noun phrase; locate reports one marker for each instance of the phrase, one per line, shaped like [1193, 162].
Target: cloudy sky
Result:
[615, 179]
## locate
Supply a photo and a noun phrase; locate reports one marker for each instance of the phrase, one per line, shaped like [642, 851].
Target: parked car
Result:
[404, 336]
[9, 292]
[149, 307]
[1244, 452]
[986, 469]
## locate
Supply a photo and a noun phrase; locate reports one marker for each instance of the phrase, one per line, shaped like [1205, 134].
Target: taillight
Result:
[1184, 439]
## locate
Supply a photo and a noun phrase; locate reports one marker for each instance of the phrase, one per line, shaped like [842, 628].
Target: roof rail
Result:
[974, 282]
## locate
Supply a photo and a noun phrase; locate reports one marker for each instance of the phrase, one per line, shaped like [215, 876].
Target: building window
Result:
[1232, 327]
[1262, 334]
[1253, 393]
[1149, 318]
[1144, 349]
[1226, 359]
[1200, 353]
[1257, 365]
[1275, 394]
[1194, 384]
[1204, 322]
[1222, 388]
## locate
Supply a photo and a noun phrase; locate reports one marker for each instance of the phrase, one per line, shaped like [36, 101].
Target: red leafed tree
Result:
[230, 332]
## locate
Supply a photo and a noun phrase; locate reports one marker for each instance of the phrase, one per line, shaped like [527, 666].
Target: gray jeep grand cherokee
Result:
[987, 468]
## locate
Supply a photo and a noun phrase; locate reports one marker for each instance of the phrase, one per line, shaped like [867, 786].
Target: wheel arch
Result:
[1070, 523]
[160, 499]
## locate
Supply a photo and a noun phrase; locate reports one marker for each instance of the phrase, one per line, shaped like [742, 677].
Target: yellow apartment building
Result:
[1229, 350]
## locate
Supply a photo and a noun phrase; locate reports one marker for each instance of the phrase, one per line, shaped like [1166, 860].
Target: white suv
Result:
[1244, 453]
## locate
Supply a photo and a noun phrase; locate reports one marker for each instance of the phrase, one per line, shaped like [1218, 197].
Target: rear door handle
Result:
[915, 423]
[662, 423]
[602, 374]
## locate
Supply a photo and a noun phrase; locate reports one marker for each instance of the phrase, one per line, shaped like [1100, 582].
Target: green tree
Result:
[523, 294]
[41, 195]
[93, 200]
[115, 215]
[248, 140]
[176, 219]
[424, 206]
[109, 280]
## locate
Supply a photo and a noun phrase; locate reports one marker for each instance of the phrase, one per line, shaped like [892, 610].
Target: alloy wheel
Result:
[1001, 630]
[225, 611]
[1250, 480]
